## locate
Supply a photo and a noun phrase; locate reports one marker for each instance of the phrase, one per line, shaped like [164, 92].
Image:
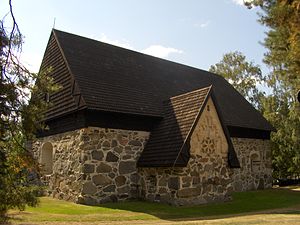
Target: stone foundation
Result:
[65, 180]
[198, 183]
[94, 165]
[256, 164]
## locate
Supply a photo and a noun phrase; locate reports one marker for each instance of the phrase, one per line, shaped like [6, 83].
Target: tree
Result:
[282, 41]
[285, 142]
[244, 76]
[282, 17]
[21, 110]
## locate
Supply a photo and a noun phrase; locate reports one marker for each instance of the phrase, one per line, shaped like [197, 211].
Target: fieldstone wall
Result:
[191, 185]
[94, 165]
[256, 164]
[65, 181]
[207, 177]
[109, 169]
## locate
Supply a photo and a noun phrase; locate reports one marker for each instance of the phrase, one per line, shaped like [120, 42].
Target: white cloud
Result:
[161, 51]
[122, 43]
[202, 25]
[154, 50]
[240, 2]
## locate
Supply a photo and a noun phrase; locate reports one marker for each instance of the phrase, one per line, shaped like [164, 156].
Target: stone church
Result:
[126, 125]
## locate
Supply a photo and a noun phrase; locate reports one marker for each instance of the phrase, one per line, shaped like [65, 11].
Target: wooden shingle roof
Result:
[114, 79]
[167, 139]
[168, 145]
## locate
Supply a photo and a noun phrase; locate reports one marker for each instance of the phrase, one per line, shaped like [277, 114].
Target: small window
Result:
[46, 159]
[208, 109]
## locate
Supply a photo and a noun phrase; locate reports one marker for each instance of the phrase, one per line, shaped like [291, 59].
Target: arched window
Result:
[255, 162]
[47, 158]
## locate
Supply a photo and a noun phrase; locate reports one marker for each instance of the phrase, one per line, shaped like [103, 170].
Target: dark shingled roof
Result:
[167, 139]
[115, 79]
[168, 144]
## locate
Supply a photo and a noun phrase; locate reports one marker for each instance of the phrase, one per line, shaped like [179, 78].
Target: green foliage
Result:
[21, 110]
[282, 17]
[15, 189]
[242, 75]
[285, 117]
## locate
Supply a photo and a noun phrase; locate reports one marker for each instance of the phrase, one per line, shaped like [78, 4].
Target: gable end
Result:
[68, 98]
[232, 157]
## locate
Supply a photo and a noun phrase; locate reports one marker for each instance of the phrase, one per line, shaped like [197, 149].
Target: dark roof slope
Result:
[168, 143]
[67, 99]
[114, 79]
[167, 139]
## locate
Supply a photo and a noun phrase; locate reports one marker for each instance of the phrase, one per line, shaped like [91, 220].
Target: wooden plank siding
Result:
[63, 101]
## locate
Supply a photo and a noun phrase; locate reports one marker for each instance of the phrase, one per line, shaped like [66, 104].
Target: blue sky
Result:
[192, 32]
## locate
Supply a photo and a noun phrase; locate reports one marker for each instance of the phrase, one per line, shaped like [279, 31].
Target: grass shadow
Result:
[275, 201]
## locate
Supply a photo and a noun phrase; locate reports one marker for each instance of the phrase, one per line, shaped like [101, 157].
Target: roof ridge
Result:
[190, 92]
[137, 52]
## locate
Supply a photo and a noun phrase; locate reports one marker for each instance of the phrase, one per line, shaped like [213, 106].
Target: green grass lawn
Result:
[245, 202]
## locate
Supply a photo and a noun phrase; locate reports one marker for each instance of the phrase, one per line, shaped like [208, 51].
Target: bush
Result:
[287, 182]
